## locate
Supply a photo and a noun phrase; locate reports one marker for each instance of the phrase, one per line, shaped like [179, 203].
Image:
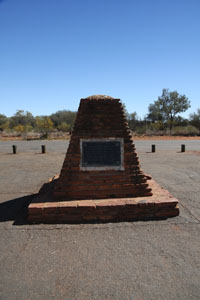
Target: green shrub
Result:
[185, 131]
[64, 127]
[141, 130]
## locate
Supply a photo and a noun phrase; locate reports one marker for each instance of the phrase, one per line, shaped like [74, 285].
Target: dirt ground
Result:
[136, 138]
[166, 138]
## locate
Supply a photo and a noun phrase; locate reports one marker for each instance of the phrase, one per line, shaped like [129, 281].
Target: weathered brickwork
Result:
[160, 206]
[100, 117]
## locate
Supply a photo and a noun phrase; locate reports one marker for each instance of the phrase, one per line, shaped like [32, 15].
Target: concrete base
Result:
[43, 209]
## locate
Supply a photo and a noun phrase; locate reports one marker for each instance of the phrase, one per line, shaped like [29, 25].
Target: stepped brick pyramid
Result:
[101, 179]
[101, 119]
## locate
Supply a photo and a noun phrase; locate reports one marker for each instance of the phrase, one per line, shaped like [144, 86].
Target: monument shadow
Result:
[15, 210]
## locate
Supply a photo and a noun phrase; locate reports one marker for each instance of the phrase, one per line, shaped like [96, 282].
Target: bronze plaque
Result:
[101, 153]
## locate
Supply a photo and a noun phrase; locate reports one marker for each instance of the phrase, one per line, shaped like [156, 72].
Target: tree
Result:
[44, 124]
[64, 127]
[3, 119]
[23, 129]
[133, 120]
[126, 114]
[19, 128]
[5, 126]
[63, 116]
[155, 113]
[22, 118]
[167, 107]
[4, 122]
[195, 119]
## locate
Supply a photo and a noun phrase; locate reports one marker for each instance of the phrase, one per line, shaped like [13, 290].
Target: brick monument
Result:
[101, 161]
[101, 179]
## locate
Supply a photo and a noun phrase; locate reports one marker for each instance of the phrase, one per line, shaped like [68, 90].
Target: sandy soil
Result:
[166, 138]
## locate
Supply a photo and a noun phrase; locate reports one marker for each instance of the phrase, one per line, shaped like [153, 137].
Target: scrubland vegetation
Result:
[163, 118]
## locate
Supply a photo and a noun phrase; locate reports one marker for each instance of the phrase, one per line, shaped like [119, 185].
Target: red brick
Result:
[110, 203]
[97, 119]
[50, 208]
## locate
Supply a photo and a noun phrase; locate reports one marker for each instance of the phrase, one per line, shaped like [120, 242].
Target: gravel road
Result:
[128, 260]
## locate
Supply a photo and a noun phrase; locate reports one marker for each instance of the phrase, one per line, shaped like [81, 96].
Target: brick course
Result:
[160, 206]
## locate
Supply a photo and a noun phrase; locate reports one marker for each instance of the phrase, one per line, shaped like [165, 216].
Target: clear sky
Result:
[52, 53]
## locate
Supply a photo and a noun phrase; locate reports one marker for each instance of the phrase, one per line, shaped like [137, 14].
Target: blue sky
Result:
[52, 53]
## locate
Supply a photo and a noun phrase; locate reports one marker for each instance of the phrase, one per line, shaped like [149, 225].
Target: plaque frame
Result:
[106, 167]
